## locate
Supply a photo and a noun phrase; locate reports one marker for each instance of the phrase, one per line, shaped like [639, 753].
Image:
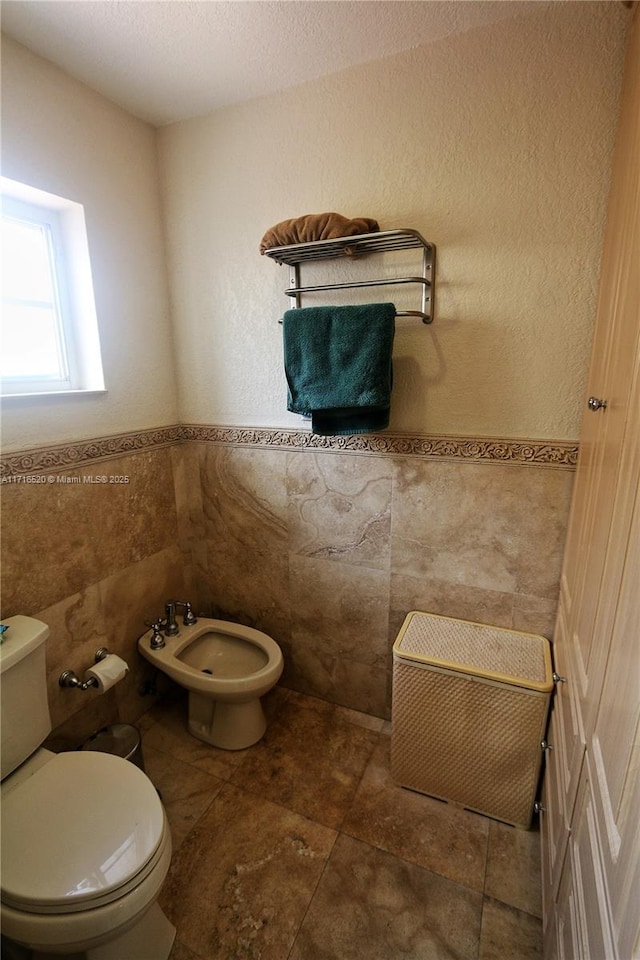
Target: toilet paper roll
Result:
[107, 672]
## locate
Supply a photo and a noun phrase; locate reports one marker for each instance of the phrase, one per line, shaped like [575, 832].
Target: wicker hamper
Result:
[470, 706]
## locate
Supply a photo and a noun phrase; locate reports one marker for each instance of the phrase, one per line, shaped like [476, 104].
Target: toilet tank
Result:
[24, 707]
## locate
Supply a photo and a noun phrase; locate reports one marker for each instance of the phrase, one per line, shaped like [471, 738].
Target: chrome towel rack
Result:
[354, 248]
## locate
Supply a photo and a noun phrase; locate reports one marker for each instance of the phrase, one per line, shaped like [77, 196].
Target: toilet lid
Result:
[81, 826]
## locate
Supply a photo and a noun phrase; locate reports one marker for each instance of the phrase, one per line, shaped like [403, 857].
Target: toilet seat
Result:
[68, 850]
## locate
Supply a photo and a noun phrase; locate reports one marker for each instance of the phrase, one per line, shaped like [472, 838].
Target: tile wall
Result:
[93, 560]
[325, 548]
[327, 551]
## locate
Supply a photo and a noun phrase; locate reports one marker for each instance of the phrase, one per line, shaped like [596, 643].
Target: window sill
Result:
[48, 395]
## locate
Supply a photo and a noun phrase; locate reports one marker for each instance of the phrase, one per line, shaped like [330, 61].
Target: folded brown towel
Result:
[315, 226]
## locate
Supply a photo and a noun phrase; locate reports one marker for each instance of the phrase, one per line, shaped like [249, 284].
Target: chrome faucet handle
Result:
[189, 616]
[157, 641]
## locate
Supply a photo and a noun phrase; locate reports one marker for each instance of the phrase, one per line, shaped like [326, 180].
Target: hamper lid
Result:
[523, 659]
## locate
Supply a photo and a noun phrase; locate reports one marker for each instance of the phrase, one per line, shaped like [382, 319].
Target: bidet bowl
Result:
[218, 658]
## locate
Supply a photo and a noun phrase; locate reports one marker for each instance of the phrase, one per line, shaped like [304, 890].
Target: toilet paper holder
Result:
[69, 678]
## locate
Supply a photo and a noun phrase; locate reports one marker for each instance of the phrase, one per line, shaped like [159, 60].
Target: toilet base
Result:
[150, 938]
[224, 724]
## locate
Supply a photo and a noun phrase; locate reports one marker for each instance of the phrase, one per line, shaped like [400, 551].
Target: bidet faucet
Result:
[170, 625]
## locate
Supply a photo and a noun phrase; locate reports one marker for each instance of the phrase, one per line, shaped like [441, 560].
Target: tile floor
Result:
[302, 848]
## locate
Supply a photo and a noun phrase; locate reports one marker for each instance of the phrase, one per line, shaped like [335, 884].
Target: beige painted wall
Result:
[61, 137]
[495, 144]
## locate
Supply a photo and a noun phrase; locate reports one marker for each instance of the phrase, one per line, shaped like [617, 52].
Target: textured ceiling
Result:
[166, 60]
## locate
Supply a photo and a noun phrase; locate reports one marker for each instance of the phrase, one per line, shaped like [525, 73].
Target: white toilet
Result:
[85, 841]
[226, 667]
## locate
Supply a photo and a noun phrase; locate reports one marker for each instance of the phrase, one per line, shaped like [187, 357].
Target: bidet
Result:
[225, 667]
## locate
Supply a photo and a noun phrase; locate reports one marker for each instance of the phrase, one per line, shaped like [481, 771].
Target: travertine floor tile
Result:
[169, 734]
[513, 867]
[509, 934]
[432, 834]
[186, 791]
[242, 880]
[372, 906]
[366, 720]
[310, 760]
[207, 758]
[257, 871]
[180, 952]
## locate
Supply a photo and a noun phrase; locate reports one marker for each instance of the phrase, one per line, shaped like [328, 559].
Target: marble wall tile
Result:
[340, 609]
[544, 500]
[196, 577]
[451, 523]
[244, 498]
[128, 599]
[48, 552]
[59, 537]
[250, 587]
[340, 508]
[245, 575]
[91, 560]
[139, 593]
[89, 717]
[339, 631]
[493, 527]
[185, 462]
[534, 615]
[351, 683]
[133, 520]
[110, 614]
[284, 544]
[77, 629]
[326, 552]
[448, 600]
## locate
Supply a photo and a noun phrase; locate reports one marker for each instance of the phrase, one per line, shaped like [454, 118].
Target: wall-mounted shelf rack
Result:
[353, 248]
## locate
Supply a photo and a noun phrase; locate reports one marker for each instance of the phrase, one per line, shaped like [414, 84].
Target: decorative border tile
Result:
[86, 451]
[562, 454]
[549, 453]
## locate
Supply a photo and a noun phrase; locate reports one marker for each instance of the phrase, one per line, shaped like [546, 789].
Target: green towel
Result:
[337, 362]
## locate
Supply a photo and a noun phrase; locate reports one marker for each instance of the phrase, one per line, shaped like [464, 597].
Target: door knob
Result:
[595, 404]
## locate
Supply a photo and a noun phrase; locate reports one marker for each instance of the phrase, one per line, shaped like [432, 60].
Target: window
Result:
[48, 333]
